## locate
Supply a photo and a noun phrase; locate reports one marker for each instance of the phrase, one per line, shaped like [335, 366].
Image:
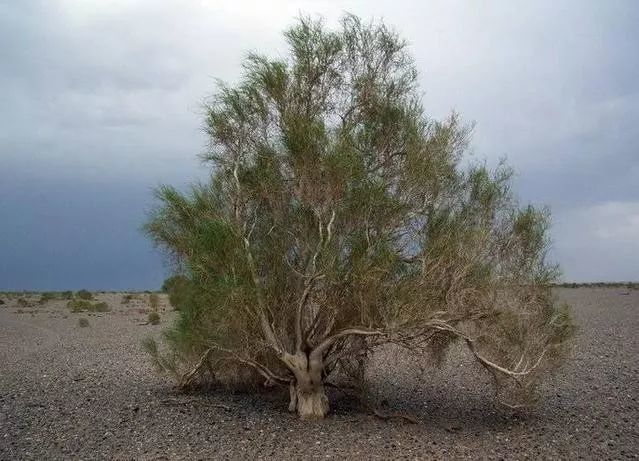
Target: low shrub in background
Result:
[22, 302]
[153, 318]
[84, 294]
[46, 297]
[127, 298]
[154, 301]
[82, 305]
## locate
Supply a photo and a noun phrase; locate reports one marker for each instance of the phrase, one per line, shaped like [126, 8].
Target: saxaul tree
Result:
[339, 217]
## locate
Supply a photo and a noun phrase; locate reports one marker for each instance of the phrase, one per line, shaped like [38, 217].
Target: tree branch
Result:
[260, 368]
[264, 324]
[299, 340]
[443, 326]
[187, 378]
[319, 350]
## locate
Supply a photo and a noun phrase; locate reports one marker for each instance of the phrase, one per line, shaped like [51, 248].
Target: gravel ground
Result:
[72, 392]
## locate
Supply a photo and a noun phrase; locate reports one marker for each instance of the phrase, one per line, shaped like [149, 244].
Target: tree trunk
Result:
[307, 393]
[311, 403]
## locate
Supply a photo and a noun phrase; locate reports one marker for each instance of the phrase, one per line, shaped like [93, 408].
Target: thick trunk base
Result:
[312, 405]
[307, 393]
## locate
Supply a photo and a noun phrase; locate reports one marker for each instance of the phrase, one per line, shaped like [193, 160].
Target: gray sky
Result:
[99, 102]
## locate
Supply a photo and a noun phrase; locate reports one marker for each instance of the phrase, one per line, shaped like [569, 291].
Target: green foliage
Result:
[66, 295]
[178, 288]
[337, 209]
[83, 305]
[165, 363]
[169, 282]
[153, 318]
[79, 305]
[84, 294]
[83, 322]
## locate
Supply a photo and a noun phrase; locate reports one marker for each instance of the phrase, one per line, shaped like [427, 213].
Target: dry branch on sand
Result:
[339, 218]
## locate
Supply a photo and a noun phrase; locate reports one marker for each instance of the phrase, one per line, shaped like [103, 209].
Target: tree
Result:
[338, 218]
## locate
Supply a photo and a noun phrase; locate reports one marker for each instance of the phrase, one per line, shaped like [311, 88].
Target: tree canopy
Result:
[340, 217]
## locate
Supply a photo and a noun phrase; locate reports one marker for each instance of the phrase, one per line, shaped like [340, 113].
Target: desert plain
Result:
[90, 392]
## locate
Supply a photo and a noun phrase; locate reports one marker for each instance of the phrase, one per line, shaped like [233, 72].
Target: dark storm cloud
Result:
[101, 101]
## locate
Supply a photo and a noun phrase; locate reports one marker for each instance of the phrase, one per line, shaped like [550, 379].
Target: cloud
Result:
[599, 242]
[108, 94]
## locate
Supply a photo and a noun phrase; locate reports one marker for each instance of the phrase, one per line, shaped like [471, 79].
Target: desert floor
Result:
[72, 392]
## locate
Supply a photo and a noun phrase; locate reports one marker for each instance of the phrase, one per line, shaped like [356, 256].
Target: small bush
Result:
[101, 307]
[127, 298]
[83, 322]
[153, 318]
[79, 305]
[154, 301]
[82, 305]
[66, 295]
[46, 297]
[84, 294]
[1, 302]
[22, 302]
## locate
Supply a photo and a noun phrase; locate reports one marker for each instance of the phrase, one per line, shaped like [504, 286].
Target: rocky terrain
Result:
[68, 391]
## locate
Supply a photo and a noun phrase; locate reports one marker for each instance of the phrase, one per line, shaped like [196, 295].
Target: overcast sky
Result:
[100, 102]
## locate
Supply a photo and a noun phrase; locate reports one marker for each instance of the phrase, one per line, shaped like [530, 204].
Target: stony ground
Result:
[88, 392]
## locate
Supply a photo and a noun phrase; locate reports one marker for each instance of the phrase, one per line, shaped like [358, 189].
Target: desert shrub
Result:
[154, 301]
[66, 295]
[83, 305]
[127, 298]
[338, 218]
[46, 297]
[22, 302]
[82, 322]
[153, 318]
[79, 305]
[84, 294]
[1, 301]
[101, 307]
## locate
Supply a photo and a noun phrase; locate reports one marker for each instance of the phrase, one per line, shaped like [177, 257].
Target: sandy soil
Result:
[72, 392]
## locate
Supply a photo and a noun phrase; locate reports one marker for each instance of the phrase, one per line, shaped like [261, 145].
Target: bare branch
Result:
[321, 348]
[188, 377]
[300, 310]
[260, 368]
